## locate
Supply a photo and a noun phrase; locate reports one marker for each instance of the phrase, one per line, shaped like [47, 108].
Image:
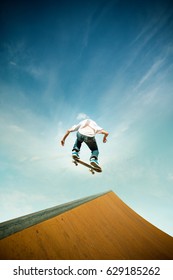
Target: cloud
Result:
[152, 37]
[15, 203]
[26, 139]
[13, 63]
[122, 128]
[170, 177]
[16, 128]
[82, 116]
[153, 26]
[21, 58]
[151, 72]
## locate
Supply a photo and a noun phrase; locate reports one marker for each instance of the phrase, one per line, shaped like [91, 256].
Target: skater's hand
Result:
[62, 142]
[104, 139]
[65, 136]
[105, 135]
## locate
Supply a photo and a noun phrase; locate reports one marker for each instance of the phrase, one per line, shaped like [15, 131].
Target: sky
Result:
[64, 60]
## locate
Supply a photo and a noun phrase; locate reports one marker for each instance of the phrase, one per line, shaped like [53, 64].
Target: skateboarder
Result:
[86, 131]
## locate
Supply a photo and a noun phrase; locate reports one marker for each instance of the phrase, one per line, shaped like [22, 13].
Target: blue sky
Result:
[110, 60]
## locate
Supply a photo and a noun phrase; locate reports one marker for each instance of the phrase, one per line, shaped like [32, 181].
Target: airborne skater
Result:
[86, 131]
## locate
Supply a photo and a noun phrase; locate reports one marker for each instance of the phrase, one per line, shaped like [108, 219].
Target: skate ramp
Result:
[100, 227]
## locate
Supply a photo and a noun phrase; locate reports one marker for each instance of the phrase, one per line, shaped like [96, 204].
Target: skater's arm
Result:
[105, 133]
[65, 136]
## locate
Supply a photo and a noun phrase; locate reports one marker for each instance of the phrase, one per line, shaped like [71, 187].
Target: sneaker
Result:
[94, 162]
[75, 155]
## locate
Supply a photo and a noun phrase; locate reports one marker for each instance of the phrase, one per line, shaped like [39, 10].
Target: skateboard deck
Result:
[91, 168]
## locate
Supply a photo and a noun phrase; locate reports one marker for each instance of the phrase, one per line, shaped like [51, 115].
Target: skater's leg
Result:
[92, 145]
[77, 145]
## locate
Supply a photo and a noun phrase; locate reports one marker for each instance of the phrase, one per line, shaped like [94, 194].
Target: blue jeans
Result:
[89, 141]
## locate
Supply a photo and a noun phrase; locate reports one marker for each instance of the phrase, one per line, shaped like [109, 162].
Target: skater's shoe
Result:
[75, 155]
[94, 163]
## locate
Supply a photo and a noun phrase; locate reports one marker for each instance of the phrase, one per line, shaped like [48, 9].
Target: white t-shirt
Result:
[87, 127]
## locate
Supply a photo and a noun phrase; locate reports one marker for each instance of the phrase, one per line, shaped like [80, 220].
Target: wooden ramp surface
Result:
[103, 228]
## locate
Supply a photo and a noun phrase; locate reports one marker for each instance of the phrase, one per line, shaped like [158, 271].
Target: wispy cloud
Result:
[82, 116]
[25, 138]
[121, 129]
[150, 73]
[150, 40]
[170, 177]
[153, 26]
[15, 203]
[19, 56]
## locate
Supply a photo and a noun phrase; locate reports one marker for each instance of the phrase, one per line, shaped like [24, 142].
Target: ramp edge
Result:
[10, 227]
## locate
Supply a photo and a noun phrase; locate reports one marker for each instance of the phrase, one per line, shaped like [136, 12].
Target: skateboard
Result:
[91, 168]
